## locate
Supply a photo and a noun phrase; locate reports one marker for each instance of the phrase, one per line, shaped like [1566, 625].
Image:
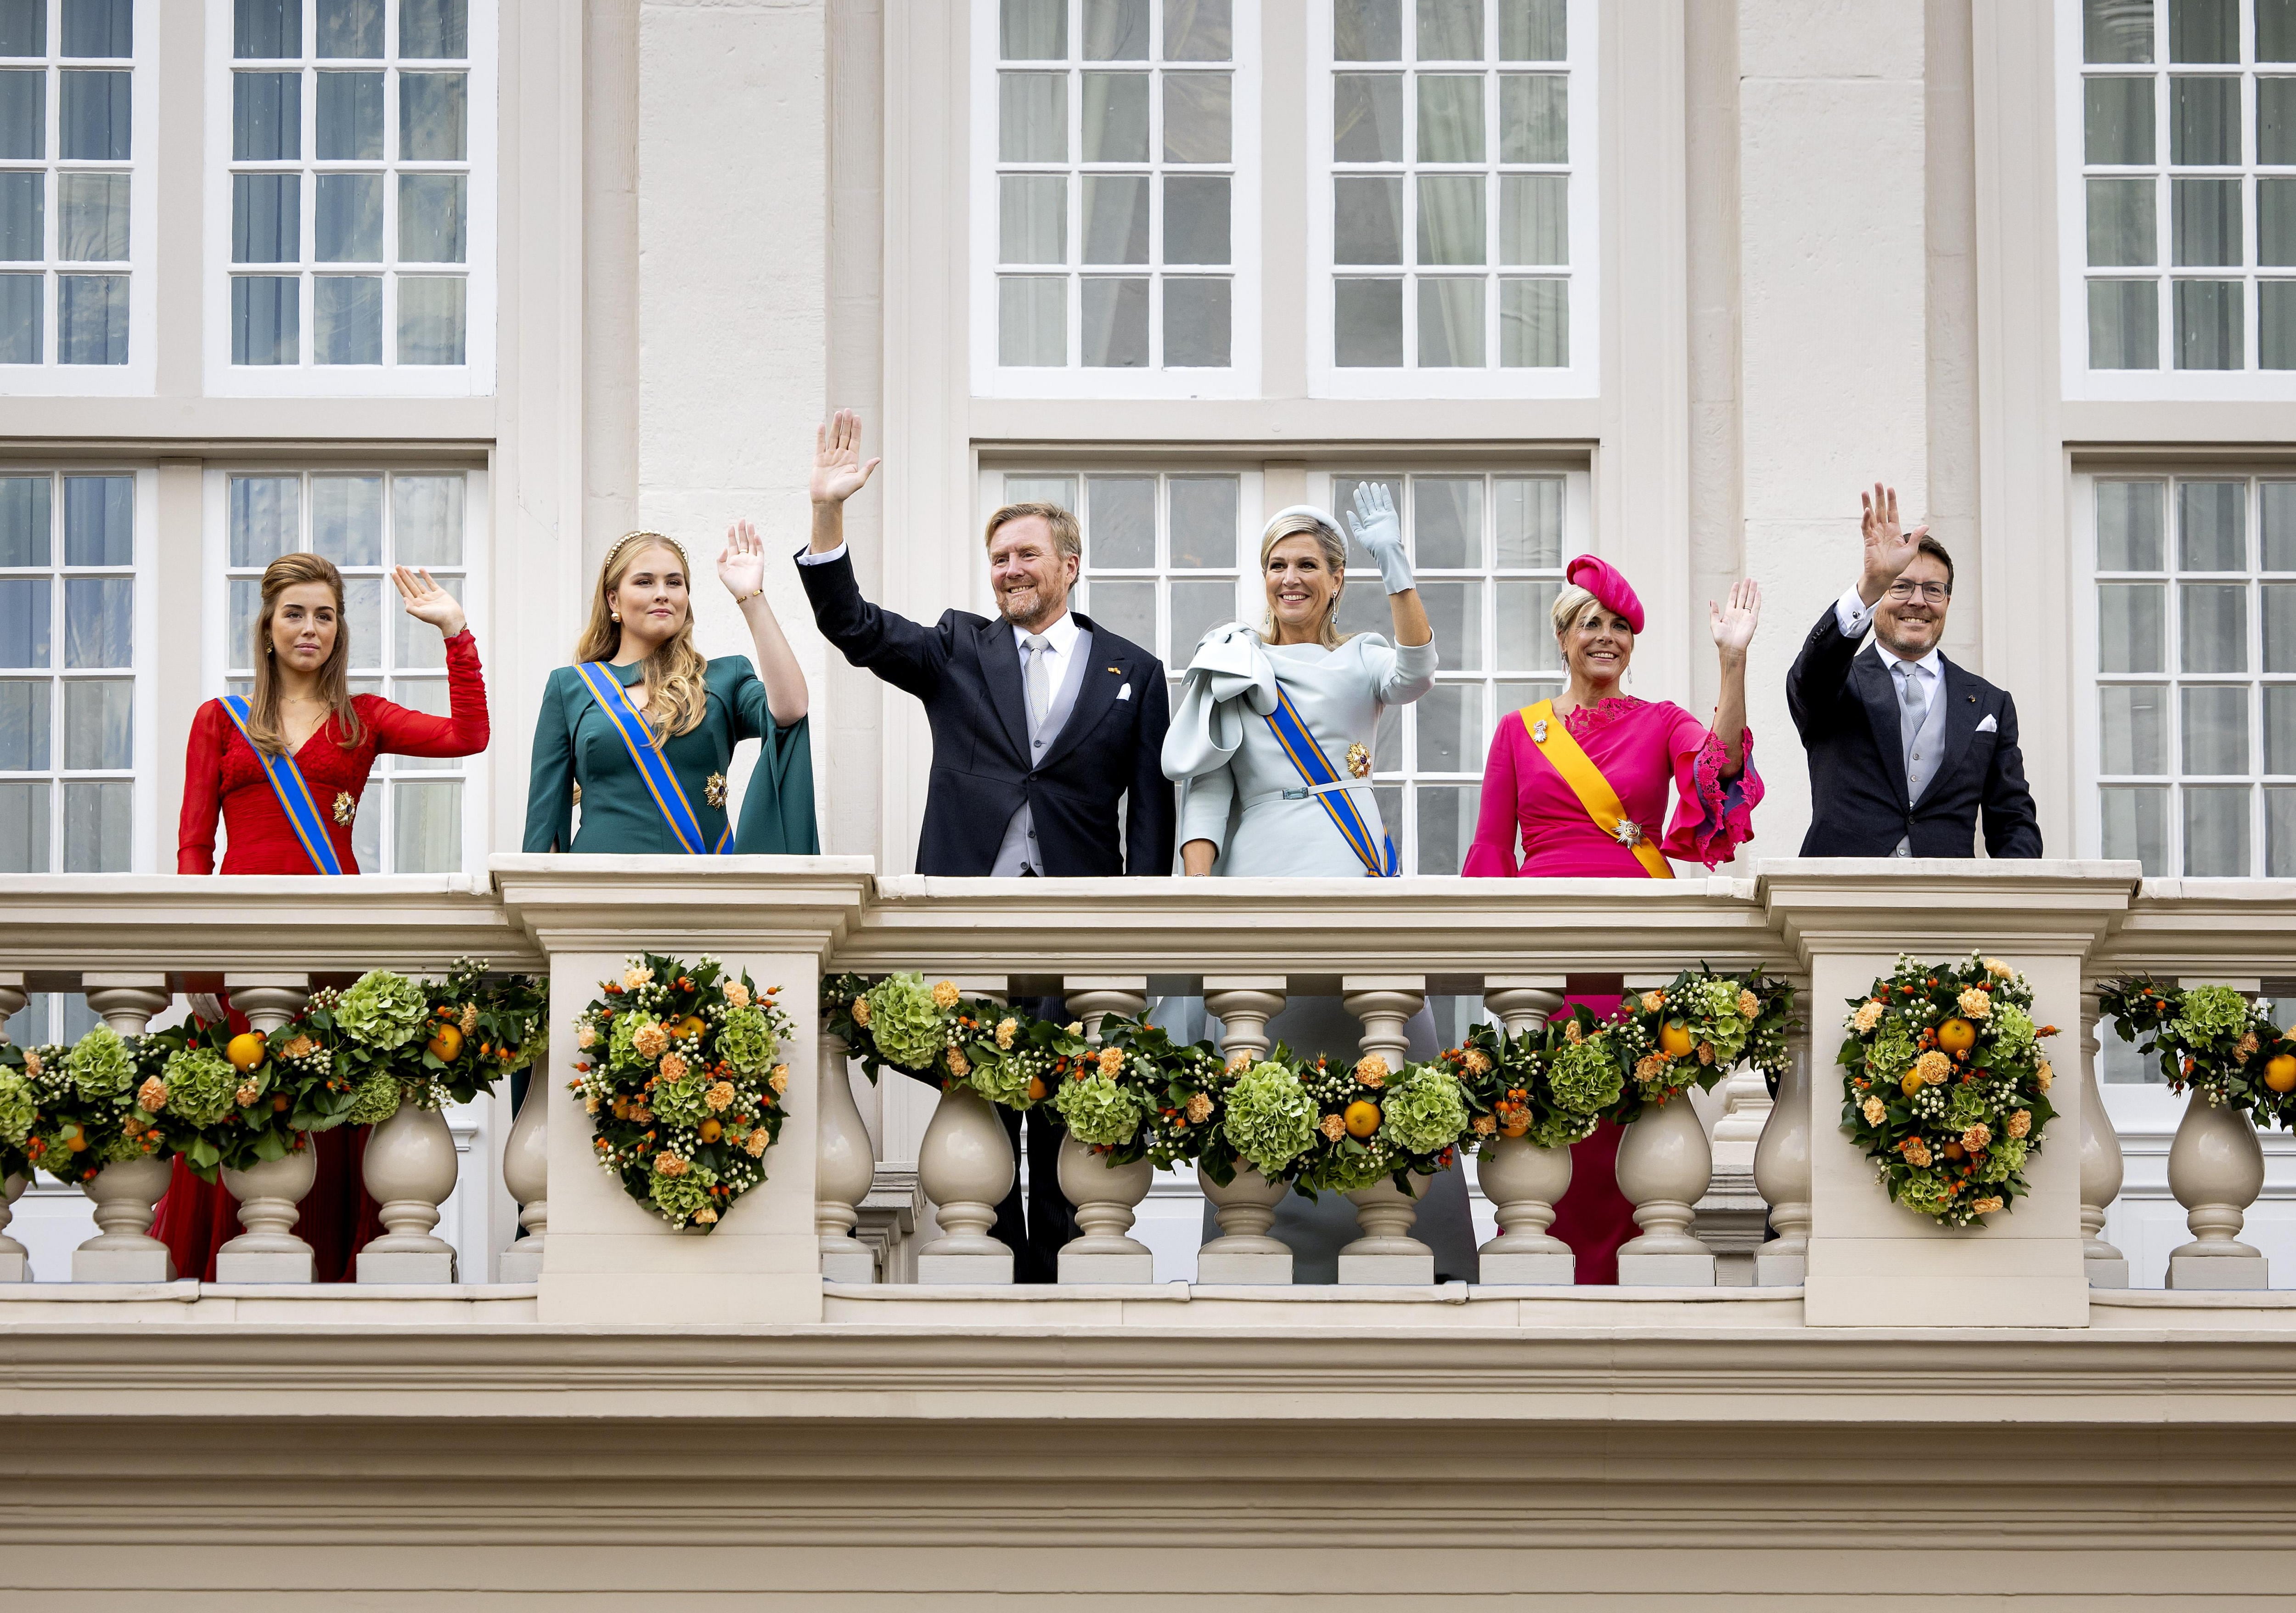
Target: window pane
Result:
[1033, 30]
[2216, 729]
[431, 209]
[2213, 626]
[1450, 30]
[97, 712]
[2130, 517]
[98, 616]
[1367, 117]
[346, 227]
[99, 827]
[1198, 322]
[1033, 116]
[350, 115]
[1203, 520]
[416, 645]
[2280, 627]
[265, 320]
[19, 318]
[350, 28]
[426, 520]
[2276, 221]
[246, 605]
[2280, 832]
[2276, 503]
[2275, 324]
[433, 117]
[1115, 219]
[23, 113]
[1367, 221]
[266, 117]
[1368, 318]
[23, 27]
[1123, 519]
[266, 218]
[1455, 609]
[2130, 628]
[346, 519]
[262, 516]
[1451, 729]
[2122, 230]
[24, 613]
[1116, 322]
[1367, 30]
[1032, 320]
[2203, 121]
[1534, 219]
[1535, 324]
[1450, 118]
[1526, 634]
[1127, 609]
[2135, 728]
[1116, 31]
[24, 725]
[1041, 490]
[2275, 121]
[2137, 825]
[432, 320]
[1451, 221]
[1196, 219]
[1534, 118]
[1364, 609]
[24, 828]
[91, 218]
[2116, 122]
[1199, 30]
[1528, 511]
[2116, 30]
[2205, 222]
[99, 520]
[1533, 30]
[366, 829]
[1199, 604]
[2212, 526]
[363, 618]
[2215, 831]
[2124, 325]
[2208, 325]
[1116, 117]
[1447, 826]
[23, 216]
[434, 29]
[1447, 521]
[2280, 728]
[94, 107]
[267, 30]
[1032, 219]
[2205, 30]
[24, 520]
[1199, 117]
[1451, 324]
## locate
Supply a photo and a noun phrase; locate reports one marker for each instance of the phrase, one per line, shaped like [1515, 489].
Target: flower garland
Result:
[1552, 1085]
[1695, 1029]
[1944, 1085]
[680, 1082]
[91, 1106]
[940, 1036]
[2213, 1039]
[19, 1104]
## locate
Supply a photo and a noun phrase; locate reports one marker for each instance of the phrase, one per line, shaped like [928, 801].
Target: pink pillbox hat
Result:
[1601, 579]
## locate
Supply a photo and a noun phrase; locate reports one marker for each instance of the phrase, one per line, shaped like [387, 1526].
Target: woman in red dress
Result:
[302, 708]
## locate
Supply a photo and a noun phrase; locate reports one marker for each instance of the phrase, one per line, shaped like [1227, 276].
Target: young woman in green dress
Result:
[641, 729]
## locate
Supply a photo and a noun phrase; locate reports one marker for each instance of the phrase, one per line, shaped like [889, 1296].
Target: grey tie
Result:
[1916, 707]
[1039, 675]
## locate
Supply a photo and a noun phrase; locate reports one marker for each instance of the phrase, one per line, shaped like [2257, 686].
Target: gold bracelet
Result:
[741, 599]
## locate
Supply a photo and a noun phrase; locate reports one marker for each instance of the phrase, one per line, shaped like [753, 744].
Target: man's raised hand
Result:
[838, 472]
[1889, 550]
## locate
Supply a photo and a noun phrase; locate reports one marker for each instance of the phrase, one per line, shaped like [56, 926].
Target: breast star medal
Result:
[1628, 834]
[1539, 731]
[346, 807]
[1359, 760]
[714, 792]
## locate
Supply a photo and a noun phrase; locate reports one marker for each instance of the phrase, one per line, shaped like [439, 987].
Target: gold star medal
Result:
[714, 792]
[346, 806]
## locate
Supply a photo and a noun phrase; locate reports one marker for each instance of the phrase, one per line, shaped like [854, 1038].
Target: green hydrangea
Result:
[1891, 1052]
[1585, 1077]
[745, 1041]
[2013, 1033]
[1924, 1193]
[200, 1082]
[374, 1100]
[908, 1030]
[102, 1066]
[18, 1108]
[682, 1196]
[1098, 1110]
[621, 1048]
[1271, 1120]
[1002, 1078]
[1726, 1028]
[382, 1010]
[2212, 1017]
[683, 1102]
[1965, 1107]
[1425, 1111]
[1343, 1172]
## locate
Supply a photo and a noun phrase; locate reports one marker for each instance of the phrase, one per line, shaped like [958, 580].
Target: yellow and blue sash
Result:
[652, 765]
[294, 793]
[1291, 735]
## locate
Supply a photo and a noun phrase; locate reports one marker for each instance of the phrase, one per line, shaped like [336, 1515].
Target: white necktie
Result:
[1039, 678]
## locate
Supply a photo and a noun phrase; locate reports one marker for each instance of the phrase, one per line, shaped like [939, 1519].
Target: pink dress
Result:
[1640, 748]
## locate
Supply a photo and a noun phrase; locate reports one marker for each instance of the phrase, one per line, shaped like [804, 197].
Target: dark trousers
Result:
[1036, 1238]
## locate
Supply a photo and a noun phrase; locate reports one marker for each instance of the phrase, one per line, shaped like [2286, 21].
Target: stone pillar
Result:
[844, 1165]
[1386, 1252]
[1243, 1252]
[15, 1260]
[966, 1166]
[2216, 1170]
[1106, 1197]
[269, 1191]
[1782, 1173]
[126, 1195]
[1522, 1180]
[2100, 1161]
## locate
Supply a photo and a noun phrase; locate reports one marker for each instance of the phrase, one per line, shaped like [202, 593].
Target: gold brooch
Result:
[1538, 732]
[1628, 834]
[714, 792]
[346, 806]
[1359, 760]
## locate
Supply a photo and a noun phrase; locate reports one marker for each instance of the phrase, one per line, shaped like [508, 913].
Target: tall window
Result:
[68, 686]
[1118, 225]
[2183, 122]
[1454, 219]
[355, 223]
[67, 185]
[412, 817]
[2196, 674]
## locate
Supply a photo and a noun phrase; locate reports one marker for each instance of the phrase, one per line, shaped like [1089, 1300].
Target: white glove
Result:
[1374, 526]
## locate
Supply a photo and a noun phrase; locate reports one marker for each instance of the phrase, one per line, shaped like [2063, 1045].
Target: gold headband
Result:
[627, 539]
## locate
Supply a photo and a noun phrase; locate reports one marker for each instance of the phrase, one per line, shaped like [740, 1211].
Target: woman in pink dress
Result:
[1582, 782]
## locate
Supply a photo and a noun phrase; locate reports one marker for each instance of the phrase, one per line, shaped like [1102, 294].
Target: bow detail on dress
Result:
[1229, 681]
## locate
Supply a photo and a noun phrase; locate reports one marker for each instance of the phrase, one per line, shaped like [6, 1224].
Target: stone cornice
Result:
[1933, 906]
[683, 904]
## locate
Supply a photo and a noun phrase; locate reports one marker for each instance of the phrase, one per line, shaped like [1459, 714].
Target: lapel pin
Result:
[1117, 670]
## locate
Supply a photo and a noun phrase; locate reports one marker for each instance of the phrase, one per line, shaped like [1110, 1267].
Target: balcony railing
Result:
[1763, 1208]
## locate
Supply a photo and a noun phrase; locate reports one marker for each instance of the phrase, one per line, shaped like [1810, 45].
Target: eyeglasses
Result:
[1931, 593]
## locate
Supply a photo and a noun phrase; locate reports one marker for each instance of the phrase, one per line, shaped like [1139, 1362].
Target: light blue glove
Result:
[1379, 533]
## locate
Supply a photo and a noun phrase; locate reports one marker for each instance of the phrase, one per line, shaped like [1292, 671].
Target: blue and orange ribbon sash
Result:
[652, 765]
[294, 793]
[1291, 735]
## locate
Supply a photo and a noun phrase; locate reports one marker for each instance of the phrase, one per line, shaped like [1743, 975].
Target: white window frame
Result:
[137, 376]
[142, 671]
[2166, 383]
[1582, 376]
[1241, 379]
[215, 589]
[305, 379]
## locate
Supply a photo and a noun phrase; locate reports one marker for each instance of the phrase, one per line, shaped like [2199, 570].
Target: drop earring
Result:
[617, 616]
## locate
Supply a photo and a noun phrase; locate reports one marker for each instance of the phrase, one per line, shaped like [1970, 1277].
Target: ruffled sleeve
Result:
[1712, 819]
[1229, 680]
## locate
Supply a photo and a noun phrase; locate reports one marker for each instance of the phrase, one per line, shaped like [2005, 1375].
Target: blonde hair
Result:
[1067, 538]
[287, 572]
[677, 693]
[1570, 605]
[1295, 523]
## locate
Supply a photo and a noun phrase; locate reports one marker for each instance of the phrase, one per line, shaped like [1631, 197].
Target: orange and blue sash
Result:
[652, 765]
[1325, 784]
[294, 793]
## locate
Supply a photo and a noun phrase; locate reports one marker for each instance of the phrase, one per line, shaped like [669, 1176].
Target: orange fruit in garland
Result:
[711, 1130]
[75, 1140]
[446, 1043]
[1362, 1118]
[1038, 1091]
[1674, 1040]
[2279, 1072]
[1957, 1035]
[689, 1027]
[247, 1050]
[1911, 1084]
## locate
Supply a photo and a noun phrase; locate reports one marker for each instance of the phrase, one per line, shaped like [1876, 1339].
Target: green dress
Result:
[576, 745]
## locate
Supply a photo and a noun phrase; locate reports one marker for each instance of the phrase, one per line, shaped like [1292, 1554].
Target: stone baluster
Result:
[526, 1176]
[966, 1165]
[845, 1163]
[270, 1191]
[15, 1260]
[126, 1194]
[1521, 1180]
[1243, 1252]
[411, 1170]
[2216, 1170]
[1782, 1170]
[1665, 1167]
[1386, 1252]
[2100, 1161]
[1106, 1197]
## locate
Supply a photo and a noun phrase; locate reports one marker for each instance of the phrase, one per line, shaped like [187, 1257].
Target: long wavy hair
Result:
[677, 693]
[334, 673]
[1327, 538]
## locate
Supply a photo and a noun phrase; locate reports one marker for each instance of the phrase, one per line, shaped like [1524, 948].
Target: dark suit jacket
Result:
[1845, 705]
[967, 671]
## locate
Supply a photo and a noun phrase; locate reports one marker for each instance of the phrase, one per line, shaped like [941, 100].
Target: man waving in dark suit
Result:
[1906, 749]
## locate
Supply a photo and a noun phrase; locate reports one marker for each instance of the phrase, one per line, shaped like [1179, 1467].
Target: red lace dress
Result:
[224, 779]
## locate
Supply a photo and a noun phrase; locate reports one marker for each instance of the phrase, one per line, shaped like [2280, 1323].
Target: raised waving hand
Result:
[1888, 549]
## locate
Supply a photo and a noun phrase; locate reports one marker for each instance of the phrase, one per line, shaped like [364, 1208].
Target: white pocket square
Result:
[1126, 693]
[1988, 726]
